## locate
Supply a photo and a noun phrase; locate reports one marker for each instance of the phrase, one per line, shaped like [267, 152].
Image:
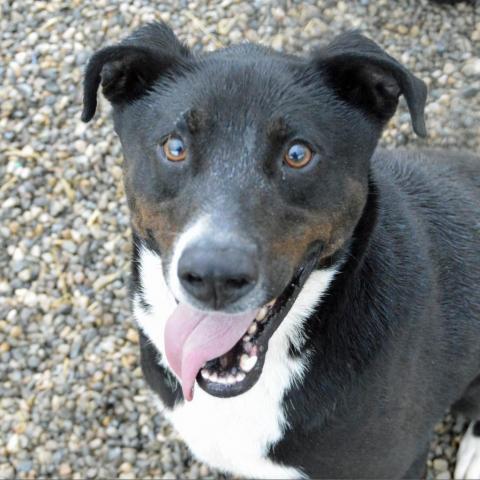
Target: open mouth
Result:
[225, 353]
[238, 370]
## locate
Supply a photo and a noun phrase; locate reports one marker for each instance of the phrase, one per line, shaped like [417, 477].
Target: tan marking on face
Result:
[150, 219]
[332, 229]
[293, 246]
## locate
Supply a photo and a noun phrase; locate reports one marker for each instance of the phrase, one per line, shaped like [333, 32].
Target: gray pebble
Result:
[440, 464]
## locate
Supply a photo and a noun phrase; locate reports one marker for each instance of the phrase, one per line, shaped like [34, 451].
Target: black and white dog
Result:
[308, 306]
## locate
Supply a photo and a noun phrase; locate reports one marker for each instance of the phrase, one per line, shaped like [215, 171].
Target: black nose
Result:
[218, 275]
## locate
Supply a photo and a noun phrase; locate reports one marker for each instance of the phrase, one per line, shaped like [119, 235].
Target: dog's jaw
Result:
[225, 432]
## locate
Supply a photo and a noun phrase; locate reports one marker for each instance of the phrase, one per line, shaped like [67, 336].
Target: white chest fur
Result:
[234, 434]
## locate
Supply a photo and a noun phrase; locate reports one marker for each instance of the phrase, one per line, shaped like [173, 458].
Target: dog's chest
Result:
[234, 434]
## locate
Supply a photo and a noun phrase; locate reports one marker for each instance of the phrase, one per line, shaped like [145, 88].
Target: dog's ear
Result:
[365, 76]
[126, 71]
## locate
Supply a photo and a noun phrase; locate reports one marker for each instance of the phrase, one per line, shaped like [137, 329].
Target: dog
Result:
[308, 304]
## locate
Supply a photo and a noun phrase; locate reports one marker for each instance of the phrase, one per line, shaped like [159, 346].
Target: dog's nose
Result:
[218, 275]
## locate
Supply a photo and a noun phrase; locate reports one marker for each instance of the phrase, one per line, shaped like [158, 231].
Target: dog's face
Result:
[241, 166]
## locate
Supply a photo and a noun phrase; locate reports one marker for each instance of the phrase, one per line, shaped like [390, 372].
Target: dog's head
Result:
[244, 170]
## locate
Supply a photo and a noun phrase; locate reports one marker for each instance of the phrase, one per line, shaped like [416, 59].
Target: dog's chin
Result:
[238, 370]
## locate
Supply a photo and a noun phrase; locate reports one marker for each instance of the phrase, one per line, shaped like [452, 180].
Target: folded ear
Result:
[365, 76]
[128, 70]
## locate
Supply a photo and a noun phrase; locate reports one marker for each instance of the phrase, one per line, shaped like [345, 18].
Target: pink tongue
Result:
[193, 337]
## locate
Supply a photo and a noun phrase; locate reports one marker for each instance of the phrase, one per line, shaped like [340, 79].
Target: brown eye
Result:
[298, 155]
[175, 149]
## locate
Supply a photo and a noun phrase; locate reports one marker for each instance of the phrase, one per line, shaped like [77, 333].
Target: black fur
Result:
[127, 71]
[365, 76]
[476, 428]
[394, 342]
[160, 380]
[394, 336]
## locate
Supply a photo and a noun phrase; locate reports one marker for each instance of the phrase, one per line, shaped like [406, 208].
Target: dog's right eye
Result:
[298, 155]
[174, 149]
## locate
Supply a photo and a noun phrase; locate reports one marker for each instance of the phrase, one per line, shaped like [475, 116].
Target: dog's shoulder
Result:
[431, 180]
[438, 195]
[455, 167]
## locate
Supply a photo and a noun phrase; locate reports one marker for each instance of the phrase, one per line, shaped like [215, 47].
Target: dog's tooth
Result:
[247, 362]
[205, 373]
[247, 346]
[230, 379]
[252, 329]
[214, 377]
[262, 313]
[239, 377]
[271, 303]
[246, 338]
[244, 361]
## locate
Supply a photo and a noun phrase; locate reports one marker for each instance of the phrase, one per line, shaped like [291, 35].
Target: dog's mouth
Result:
[237, 370]
[225, 353]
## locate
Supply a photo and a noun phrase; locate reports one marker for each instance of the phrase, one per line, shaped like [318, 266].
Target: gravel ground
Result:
[72, 399]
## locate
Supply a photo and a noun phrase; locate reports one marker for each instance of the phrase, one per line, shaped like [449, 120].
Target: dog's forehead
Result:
[232, 91]
[258, 86]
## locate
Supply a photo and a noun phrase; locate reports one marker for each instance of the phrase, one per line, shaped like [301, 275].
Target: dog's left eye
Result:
[175, 149]
[298, 155]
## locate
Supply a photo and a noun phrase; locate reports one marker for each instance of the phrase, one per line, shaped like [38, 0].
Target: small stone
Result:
[277, 42]
[470, 92]
[30, 299]
[278, 14]
[96, 443]
[472, 67]
[440, 464]
[125, 467]
[13, 444]
[449, 68]
[69, 246]
[117, 172]
[43, 456]
[24, 466]
[79, 278]
[75, 348]
[316, 26]
[225, 25]
[414, 31]
[56, 208]
[64, 470]
[16, 331]
[33, 362]
[445, 475]
[132, 335]
[6, 471]
[25, 275]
